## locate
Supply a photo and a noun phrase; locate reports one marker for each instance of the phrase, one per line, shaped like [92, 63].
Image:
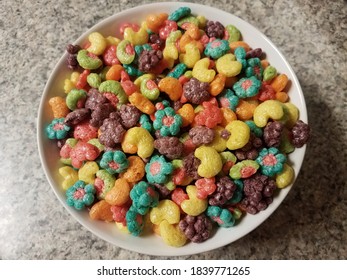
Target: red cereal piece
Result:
[210, 116]
[84, 131]
[205, 187]
[170, 26]
[82, 79]
[178, 195]
[81, 152]
[266, 92]
[109, 56]
[133, 26]
[119, 213]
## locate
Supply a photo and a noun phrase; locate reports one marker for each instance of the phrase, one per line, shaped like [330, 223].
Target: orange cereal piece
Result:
[217, 85]
[228, 116]
[135, 171]
[155, 21]
[245, 109]
[234, 45]
[119, 194]
[101, 211]
[264, 63]
[142, 103]
[282, 96]
[187, 113]
[59, 107]
[172, 87]
[114, 73]
[230, 81]
[279, 82]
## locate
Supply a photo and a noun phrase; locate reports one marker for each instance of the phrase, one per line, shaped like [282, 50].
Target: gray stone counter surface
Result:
[312, 221]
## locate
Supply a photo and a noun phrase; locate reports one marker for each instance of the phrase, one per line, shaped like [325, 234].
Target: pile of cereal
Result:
[177, 128]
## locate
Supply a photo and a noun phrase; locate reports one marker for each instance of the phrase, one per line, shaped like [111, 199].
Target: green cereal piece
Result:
[243, 169]
[173, 37]
[73, 97]
[177, 163]
[132, 70]
[88, 61]
[151, 94]
[177, 71]
[269, 73]
[115, 88]
[228, 156]
[189, 74]
[202, 21]
[95, 142]
[188, 19]
[94, 80]
[179, 13]
[123, 56]
[170, 184]
[234, 33]
[108, 180]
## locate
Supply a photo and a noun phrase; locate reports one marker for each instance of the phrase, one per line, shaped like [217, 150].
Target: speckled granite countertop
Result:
[312, 221]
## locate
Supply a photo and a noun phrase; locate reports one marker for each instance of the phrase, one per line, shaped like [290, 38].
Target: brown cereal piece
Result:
[130, 115]
[225, 134]
[258, 52]
[190, 166]
[272, 133]
[259, 190]
[201, 135]
[100, 113]
[224, 192]
[171, 147]
[250, 150]
[149, 59]
[155, 39]
[72, 49]
[112, 131]
[300, 134]
[214, 29]
[163, 191]
[197, 229]
[94, 99]
[77, 116]
[195, 91]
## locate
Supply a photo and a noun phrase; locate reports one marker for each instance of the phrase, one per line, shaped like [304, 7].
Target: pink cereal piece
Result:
[84, 131]
[205, 187]
[81, 152]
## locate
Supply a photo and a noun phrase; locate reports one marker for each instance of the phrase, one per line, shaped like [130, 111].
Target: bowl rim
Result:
[165, 6]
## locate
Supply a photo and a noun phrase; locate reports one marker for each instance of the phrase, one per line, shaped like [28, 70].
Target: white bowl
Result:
[153, 245]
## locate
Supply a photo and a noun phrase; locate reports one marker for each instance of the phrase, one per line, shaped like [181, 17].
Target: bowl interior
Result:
[152, 244]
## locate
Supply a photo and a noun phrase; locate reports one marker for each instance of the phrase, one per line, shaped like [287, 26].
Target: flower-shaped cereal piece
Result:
[104, 181]
[143, 197]
[247, 87]
[167, 121]
[114, 162]
[81, 152]
[57, 129]
[80, 195]
[228, 99]
[158, 170]
[254, 68]
[217, 48]
[205, 187]
[271, 161]
[135, 221]
[210, 116]
[223, 217]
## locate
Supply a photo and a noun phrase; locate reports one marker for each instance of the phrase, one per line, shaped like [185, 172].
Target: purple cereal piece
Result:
[100, 113]
[77, 116]
[190, 165]
[195, 91]
[272, 134]
[258, 52]
[197, 229]
[201, 135]
[214, 29]
[224, 192]
[130, 115]
[149, 59]
[171, 147]
[300, 134]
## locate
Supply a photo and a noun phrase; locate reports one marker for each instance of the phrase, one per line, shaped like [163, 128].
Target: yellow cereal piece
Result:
[70, 176]
[285, 177]
[138, 140]
[166, 210]
[218, 143]
[171, 234]
[239, 134]
[202, 72]
[136, 38]
[193, 206]
[269, 109]
[211, 162]
[88, 171]
[191, 56]
[97, 43]
[228, 66]
[291, 114]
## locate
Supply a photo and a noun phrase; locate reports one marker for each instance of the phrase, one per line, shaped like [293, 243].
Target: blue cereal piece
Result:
[178, 71]
[57, 129]
[144, 197]
[217, 48]
[80, 195]
[223, 217]
[228, 99]
[179, 13]
[135, 221]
